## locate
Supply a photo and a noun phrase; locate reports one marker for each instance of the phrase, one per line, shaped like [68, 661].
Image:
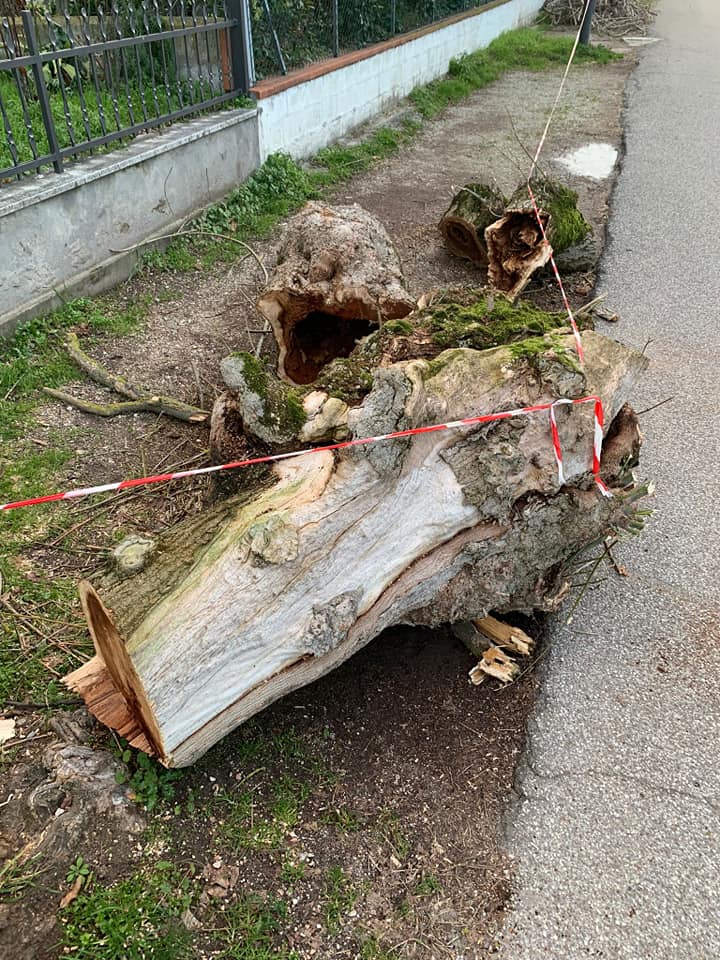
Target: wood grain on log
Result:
[473, 208]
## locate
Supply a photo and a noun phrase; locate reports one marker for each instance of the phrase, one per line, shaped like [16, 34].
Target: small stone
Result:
[131, 555]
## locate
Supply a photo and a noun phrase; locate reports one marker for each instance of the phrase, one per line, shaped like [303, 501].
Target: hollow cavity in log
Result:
[318, 338]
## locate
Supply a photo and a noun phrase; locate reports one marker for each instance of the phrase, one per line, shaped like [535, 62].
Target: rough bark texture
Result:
[278, 585]
[473, 208]
[515, 244]
[338, 278]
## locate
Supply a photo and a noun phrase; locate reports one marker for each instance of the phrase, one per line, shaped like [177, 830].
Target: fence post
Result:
[335, 29]
[241, 48]
[588, 12]
[43, 98]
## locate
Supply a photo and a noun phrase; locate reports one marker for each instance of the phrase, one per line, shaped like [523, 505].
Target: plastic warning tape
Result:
[346, 444]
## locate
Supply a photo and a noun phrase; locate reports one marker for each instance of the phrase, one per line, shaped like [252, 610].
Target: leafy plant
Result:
[151, 784]
[427, 885]
[78, 868]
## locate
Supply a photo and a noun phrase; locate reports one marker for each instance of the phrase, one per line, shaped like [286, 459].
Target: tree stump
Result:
[338, 278]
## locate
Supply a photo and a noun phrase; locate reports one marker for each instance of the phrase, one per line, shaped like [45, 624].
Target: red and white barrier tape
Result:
[345, 444]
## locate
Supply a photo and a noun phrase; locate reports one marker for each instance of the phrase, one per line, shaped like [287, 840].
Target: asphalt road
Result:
[616, 831]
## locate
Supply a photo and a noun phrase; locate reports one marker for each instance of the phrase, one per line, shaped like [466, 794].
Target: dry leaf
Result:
[7, 729]
[72, 893]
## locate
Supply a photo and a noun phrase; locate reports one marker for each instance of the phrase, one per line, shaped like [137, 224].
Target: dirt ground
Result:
[398, 769]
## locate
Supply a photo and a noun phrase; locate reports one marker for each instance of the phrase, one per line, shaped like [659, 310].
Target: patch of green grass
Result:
[339, 898]
[388, 828]
[250, 822]
[371, 949]
[251, 930]
[529, 48]
[292, 873]
[17, 876]
[343, 819]
[135, 919]
[427, 885]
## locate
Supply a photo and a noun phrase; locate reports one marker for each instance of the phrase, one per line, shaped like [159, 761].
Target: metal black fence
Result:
[292, 33]
[77, 79]
[70, 84]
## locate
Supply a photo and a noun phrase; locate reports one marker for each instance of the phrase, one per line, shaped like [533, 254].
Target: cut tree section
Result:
[337, 279]
[463, 224]
[268, 590]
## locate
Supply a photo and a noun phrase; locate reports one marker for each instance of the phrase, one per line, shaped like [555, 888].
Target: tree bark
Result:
[463, 225]
[338, 278]
[278, 585]
[516, 247]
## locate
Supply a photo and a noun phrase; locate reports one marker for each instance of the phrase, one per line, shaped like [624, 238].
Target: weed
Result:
[370, 949]
[251, 930]
[340, 897]
[343, 819]
[389, 830]
[151, 784]
[136, 919]
[16, 876]
[78, 868]
[427, 885]
[292, 873]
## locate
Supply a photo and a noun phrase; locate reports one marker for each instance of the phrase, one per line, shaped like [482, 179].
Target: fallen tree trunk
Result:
[483, 226]
[338, 278]
[281, 583]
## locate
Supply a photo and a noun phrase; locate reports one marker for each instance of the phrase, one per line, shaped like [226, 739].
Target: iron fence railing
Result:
[292, 33]
[73, 84]
[73, 81]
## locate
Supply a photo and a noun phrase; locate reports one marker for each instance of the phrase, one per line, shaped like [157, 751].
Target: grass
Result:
[135, 919]
[341, 895]
[33, 359]
[251, 930]
[528, 48]
[16, 877]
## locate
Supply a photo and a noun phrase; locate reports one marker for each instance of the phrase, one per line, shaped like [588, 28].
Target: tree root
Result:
[139, 400]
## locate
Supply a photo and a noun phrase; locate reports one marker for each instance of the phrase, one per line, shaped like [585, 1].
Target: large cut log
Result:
[338, 277]
[473, 208]
[279, 584]
[516, 247]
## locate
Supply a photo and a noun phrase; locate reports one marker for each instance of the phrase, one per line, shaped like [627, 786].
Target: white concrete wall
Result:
[311, 115]
[60, 234]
